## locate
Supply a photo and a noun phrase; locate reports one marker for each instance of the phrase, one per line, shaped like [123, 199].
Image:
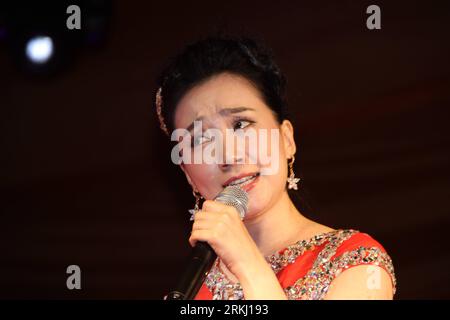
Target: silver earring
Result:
[198, 197]
[292, 180]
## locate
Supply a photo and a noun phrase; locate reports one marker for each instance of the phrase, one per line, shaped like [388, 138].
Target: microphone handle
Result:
[200, 262]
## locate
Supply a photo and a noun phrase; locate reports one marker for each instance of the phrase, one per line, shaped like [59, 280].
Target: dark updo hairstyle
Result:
[213, 55]
[223, 53]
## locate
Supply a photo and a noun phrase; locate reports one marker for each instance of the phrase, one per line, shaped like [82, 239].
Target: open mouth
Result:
[241, 182]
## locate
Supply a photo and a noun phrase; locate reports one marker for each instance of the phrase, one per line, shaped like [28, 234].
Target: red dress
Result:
[306, 268]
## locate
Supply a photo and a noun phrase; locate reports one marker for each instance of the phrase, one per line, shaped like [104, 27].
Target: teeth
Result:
[242, 180]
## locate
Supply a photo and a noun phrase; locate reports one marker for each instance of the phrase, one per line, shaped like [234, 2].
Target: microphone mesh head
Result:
[235, 197]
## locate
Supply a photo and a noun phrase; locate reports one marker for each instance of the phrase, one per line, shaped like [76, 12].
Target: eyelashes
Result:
[242, 123]
[237, 124]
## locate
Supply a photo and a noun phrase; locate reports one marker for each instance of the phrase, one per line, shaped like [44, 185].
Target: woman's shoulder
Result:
[332, 253]
[356, 248]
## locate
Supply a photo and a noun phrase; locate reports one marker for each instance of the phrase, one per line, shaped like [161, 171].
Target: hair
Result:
[213, 55]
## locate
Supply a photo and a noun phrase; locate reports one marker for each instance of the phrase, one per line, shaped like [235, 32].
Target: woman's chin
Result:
[261, 197]
[257, 205]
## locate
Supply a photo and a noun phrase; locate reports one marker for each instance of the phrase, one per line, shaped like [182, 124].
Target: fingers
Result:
[213, 222]
[215, 228]
[213, 215]
[202, 235]
[215, 206]
[202, 224]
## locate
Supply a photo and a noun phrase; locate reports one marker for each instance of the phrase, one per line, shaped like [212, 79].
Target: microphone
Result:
[203, 256]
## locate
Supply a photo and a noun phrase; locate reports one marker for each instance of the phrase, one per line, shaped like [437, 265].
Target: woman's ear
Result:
[188, 178]
[287, 134]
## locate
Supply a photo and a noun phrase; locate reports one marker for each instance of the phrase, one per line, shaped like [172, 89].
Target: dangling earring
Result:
[198, 197]
[292, 180]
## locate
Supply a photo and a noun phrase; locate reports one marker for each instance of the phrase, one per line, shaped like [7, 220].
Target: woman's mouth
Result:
[242, 182]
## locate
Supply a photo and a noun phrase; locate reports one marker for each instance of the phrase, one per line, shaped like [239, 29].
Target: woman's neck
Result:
[278, 226]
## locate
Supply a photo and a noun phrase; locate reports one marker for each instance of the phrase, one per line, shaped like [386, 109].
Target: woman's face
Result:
[229, 101]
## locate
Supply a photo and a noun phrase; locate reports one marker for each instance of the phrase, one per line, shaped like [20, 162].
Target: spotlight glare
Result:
[39, 49]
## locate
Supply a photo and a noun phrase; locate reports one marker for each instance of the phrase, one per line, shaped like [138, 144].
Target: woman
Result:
[275, 252]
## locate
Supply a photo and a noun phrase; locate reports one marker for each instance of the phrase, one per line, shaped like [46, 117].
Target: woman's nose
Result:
[233, 152]
[230, 160]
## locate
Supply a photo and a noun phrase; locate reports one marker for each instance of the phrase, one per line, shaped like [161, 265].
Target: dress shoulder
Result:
[344, 249]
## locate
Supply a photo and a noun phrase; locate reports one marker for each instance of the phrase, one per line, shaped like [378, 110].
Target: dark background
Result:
[86, 176]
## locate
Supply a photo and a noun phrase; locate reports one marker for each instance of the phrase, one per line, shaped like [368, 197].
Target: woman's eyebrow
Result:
[191, 126]
[227, 111]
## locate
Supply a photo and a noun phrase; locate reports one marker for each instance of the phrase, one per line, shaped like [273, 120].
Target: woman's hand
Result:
[220, 225]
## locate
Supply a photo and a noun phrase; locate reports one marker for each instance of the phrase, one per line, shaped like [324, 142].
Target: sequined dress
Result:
[306, 268]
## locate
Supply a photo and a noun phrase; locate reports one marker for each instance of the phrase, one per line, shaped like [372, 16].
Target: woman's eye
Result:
[241, 124]
[200, 140]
